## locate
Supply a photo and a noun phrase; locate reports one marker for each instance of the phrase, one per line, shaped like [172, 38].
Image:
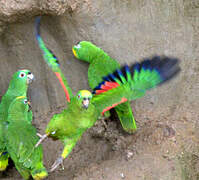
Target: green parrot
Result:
[125, 84]
[21, 138]
[18, 87]
[101, 65]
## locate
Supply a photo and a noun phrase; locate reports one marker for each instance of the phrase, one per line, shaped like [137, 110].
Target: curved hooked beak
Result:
[74, 52]
[74, 49]
[30, 78]
[85, 103]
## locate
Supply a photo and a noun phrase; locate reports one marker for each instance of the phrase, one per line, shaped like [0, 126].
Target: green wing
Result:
[20, 141]
[29, 116]
[130, 83]
[5, 102]
[52, 62]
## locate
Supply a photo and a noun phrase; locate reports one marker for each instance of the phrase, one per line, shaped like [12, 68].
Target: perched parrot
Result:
[18, 87]
[101, 65]
[21, 138]
[125, 84]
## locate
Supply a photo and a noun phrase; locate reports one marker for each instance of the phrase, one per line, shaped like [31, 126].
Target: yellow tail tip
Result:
[3, 164]
[40, 175]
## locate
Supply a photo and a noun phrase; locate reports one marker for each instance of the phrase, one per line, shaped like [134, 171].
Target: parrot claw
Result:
[58, 162]
[39, 135]
[42, 137]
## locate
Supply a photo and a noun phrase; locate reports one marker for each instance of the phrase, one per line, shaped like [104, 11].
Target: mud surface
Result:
[166, 145]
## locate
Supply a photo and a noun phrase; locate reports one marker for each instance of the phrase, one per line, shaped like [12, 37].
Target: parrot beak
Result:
[29, 105]
[30, 78]
[85, 103]
[74, 52]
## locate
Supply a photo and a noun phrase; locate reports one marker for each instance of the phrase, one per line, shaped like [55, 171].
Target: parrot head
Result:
[84, 97]
[19, 105]
[83, 50]
[21, 79]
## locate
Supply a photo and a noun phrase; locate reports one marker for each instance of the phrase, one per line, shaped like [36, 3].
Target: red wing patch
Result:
[106, 86]
[110, 107]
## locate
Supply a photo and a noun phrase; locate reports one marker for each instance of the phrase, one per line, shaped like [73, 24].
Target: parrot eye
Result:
[25, 101]
[78, 46]
[22, 74]
[78, 42]
[79, 96]
[90, 97]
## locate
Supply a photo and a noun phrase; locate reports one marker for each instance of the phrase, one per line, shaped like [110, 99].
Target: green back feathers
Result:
[21, 137]
[100, 68]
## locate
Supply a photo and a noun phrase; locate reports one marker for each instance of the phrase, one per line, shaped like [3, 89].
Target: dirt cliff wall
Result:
[128, 31]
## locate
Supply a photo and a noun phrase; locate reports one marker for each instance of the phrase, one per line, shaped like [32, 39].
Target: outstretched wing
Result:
[129, 83]
[52, 62]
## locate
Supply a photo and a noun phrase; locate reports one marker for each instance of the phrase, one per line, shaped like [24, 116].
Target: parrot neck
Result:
[15, 115]
[6, 101]
[88, 57]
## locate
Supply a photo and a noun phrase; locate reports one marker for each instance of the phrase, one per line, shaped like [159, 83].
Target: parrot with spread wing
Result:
[124, 84]
[18, 87]
[20, 141]
[100, 65]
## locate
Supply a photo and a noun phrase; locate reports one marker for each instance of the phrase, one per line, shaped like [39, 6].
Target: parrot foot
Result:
[42, 137]
[58, 162]
[39, 135]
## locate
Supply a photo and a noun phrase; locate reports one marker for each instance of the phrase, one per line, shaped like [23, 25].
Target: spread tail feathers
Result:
[48, 55]
[52, 61]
